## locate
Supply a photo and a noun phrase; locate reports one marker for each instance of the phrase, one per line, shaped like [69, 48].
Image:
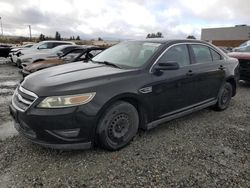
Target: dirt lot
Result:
[205, 149]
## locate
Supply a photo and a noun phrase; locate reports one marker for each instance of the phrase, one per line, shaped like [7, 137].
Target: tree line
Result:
[42, 37]
[160, 35]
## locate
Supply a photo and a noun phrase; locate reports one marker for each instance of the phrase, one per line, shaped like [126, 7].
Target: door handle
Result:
[190, 73]
[222, 67]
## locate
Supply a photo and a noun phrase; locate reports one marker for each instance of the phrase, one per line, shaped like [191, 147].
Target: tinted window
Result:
[201, 53]
[178, 54]
[216, 56]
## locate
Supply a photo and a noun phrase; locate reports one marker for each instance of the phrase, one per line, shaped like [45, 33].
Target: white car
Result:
[56, 52]
[244, 47]
[42, 47]
[13, 52]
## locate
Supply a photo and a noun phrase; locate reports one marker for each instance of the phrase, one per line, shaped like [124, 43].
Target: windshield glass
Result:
[243, 44]
[58, 48]
[71, 55]
[129, 54]
[244, 49]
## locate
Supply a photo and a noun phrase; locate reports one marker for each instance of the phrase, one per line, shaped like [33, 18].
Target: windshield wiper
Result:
[106, 63]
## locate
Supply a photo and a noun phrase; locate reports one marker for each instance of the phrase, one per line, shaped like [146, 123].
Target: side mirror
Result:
[170, 65]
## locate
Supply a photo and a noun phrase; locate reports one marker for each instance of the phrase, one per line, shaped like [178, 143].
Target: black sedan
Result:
[132, 85]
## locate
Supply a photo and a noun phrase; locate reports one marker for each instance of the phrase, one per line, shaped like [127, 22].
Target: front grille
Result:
[23, 99]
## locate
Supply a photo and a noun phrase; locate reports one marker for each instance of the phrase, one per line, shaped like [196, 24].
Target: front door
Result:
[172, 90]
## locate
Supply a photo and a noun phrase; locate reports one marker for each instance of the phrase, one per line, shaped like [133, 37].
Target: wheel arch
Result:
[133, 99]
[233, 82]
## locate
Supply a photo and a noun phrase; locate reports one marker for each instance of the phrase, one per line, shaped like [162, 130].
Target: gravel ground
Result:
[204, 149]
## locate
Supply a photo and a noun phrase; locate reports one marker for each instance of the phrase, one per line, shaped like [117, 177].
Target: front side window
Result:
[128, 54]
[202, 53]
[177, 54]
[43, 46]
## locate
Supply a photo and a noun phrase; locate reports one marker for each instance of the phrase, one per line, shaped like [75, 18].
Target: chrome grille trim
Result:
[27, 92]
[23, 100]
[19, 102]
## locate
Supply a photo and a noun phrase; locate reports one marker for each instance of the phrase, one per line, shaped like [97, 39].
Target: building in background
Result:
[226, 36]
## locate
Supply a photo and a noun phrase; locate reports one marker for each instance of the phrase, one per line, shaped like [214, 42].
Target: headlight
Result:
[66, 101]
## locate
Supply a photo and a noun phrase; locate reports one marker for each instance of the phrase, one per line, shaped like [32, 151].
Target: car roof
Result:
[60, 41]
[165, 41]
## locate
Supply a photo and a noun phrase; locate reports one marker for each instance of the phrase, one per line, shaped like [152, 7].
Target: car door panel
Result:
[172, 89]
[208, 79]
[208, 75]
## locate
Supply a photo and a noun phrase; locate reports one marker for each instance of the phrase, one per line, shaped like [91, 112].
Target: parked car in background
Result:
[14, 52]
[225, 49]
[56, 52]
[132, 85]
[83, 53]
[244, 60]
[4, 50]
[244, 47]
[42, 47]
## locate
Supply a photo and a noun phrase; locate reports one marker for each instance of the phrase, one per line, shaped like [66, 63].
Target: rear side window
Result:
[202, 53]
[178, 53]
[216, 56]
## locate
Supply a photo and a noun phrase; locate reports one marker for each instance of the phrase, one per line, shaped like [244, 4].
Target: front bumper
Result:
[55, 128]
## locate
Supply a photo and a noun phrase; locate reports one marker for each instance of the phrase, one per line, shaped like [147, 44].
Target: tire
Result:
[117, 126]
[224, 97]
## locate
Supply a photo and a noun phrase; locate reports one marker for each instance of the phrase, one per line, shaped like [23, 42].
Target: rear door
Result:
[208, 71]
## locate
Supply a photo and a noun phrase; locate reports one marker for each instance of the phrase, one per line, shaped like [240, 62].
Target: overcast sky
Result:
[120, 19]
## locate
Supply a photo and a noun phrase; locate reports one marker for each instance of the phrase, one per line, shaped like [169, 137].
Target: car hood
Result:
[42, 64]
[240, 55]
[71, 78]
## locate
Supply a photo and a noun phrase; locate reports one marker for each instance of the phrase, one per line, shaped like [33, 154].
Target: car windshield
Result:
[58, 49]
[243, 49]
[128, 54]
[243, 44]
[71, 55]
[28, 45]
